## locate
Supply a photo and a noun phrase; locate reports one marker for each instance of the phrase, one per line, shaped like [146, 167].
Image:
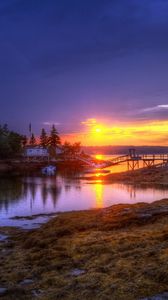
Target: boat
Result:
[49, 170]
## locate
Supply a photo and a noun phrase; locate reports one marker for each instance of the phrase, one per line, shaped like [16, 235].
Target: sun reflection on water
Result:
[99, 190]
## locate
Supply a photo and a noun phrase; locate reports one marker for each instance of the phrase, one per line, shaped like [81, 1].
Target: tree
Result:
[24, 140]
[54, 139]
[5, 129]
[10, 143]
[43, 138]
[32, 140]
[67, 148]
[71, 149]
[76, 148]
[15, 141]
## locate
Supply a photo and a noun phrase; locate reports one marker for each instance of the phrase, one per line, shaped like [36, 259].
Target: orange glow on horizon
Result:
[95, 133]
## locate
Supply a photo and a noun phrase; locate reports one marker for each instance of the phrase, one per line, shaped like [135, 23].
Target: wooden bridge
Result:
[133, 160]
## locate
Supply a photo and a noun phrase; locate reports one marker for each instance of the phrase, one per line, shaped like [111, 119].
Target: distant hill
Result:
[124, 149]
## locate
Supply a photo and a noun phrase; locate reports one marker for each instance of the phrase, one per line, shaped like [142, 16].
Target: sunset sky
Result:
[97, 69]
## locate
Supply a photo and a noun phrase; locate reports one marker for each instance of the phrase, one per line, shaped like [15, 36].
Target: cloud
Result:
[154, 108]
[89, 122]
[157, 112]
[51, 123]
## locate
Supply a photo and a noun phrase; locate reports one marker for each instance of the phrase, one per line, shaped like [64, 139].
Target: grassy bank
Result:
[148, 176]
[119, 253]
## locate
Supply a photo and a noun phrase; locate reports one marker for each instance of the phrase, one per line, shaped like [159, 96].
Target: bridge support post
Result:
[132, 164]
[148, 162]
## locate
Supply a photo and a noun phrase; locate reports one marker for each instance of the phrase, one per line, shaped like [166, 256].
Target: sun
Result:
[98, 130]
[99, 156]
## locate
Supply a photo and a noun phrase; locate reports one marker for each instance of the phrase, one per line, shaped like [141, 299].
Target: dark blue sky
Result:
[66, 61]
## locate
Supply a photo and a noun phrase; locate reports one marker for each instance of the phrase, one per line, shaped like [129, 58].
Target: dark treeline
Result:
[12, 144]
[53, 140]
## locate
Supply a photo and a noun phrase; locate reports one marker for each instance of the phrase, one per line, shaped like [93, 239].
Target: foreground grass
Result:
[116, 253]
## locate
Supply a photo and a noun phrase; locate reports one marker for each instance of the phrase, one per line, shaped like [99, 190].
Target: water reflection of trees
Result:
[70, 183]
[15, 190]
[70, 173]
[47, 188]
[46, 191]
[133, 189]
[43, 189]
[51, 189]
[10, 191]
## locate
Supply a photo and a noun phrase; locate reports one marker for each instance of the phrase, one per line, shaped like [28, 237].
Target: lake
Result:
[26, 196]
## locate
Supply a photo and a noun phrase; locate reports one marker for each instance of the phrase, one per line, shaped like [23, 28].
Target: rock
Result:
[37, 293]
[3, 237]
[113, 286]
[77, 272]
[3, 291]
[6, 251]
[144, 215]
[26, 282]
[163, 296]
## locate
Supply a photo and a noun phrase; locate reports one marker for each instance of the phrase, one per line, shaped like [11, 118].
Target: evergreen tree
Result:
[71, 149]
[76, 148]
[54, 139]
[43, 138]
[67, 148]
[10, 143]
[32, 140]
[5, 129]
[24, 140]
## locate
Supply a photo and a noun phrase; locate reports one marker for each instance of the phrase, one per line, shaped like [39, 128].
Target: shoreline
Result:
[16, 168]
[151, 175]
[89, 254]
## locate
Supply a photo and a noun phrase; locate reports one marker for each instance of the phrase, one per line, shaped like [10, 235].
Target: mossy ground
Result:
[123, 251]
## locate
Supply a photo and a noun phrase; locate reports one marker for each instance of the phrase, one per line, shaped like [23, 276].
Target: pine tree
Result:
[43, 138]
[76, 147]
[24, 140]
[10, 143]
[54, 139]
[67, 148]
[32, 140]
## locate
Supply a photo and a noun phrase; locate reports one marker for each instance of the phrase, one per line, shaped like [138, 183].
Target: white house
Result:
[39, 152]
[36, 151]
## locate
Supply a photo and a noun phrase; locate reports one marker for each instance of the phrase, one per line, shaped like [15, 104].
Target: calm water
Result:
[37, 195]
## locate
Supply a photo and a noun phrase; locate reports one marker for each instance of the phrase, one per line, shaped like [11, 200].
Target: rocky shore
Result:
[147, 176]
[118, 253]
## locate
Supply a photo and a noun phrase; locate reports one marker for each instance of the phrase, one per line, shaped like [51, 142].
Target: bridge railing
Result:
[123, 158]
[118, 159]
[155, 156]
